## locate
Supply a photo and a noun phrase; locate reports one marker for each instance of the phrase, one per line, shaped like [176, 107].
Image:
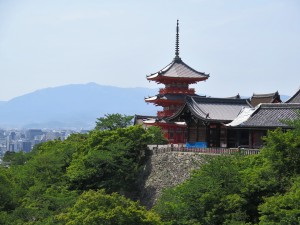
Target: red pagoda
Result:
[177, 76]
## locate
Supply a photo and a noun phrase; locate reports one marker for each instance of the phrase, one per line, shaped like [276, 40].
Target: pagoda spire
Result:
[177, 58]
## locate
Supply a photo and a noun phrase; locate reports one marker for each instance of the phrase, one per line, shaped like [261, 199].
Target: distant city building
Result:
[31, 133]
[26, 146]
[25, 140]
[12, 135]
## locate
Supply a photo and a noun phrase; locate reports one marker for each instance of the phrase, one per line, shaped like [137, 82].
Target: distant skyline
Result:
[246, 46]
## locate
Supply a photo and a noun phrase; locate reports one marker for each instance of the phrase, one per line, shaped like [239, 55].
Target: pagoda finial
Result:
[177, 58]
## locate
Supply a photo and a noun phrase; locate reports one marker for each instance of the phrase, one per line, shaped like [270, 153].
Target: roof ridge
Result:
[265, 95]
[204, 112]
[221, 100]
[279, 105]
[294, 96]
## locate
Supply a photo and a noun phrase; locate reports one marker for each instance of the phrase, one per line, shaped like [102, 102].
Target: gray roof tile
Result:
[265, 98]
[214, 109]
[272, 115]
[178, 69]
[295, 98]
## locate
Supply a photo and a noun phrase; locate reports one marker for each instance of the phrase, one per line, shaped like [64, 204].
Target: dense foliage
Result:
[96, 207]
[113, 121]
[47, 185]
[260, 189]
[90, 179]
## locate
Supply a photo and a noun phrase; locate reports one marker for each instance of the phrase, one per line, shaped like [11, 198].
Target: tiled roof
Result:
[138, 119]
[295, 98]
[180, 97]
[265, 98]
[272, 115]
[213, 109]
[178, 69]
[235, 97]
[242, 117]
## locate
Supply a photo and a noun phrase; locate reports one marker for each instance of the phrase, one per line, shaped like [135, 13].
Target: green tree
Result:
[156, 136]
[96, 207]
[15, 158]
[6, 190]
[113, 121]
[111, 160]
[282, 208]
[39, 186]
[282, 154]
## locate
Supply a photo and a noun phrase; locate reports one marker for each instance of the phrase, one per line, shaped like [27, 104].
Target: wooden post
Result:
[197, 131]
[238, 134]
[207, 135]
[250, 139]
[188, 132]
[218, 135]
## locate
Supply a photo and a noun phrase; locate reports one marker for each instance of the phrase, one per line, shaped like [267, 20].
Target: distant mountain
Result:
[73, 106]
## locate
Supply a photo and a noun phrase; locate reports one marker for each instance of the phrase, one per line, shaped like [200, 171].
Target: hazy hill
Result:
[73, 106]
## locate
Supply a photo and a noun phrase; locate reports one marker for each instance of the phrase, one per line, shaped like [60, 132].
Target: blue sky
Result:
[245, 46]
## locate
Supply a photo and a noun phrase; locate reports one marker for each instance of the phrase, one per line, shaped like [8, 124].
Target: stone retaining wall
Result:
[166, 170]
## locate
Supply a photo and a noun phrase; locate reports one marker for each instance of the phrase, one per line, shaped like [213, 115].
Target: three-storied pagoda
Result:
[177, 76]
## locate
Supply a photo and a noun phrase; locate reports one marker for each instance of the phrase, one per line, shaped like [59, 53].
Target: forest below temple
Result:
[90, 179]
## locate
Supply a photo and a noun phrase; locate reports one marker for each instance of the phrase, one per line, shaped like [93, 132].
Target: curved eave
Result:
[165, 69]
[177, 113]
[164, 101]
[165, 79]
[161, 74]
[151, 99]
[261, 127]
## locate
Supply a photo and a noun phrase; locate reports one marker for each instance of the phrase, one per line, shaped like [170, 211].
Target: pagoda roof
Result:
[172, 97]
[295, 98]
[268, 115]
[178, 69]
[138, 119]
[162, 122]
[265, 98]
[212, 109]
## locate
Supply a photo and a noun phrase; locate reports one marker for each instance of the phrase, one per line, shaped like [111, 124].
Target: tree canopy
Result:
[97, 207]
[156, 136]
[56, 177]
[90, 179]
[113, 121]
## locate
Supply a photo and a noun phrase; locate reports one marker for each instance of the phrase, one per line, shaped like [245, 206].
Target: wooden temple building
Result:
[254, 123]
[206, 119]
[176, 78]
[230, 123]
[265, 98]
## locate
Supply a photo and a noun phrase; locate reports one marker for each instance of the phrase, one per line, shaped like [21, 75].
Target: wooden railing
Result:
[207, 151]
